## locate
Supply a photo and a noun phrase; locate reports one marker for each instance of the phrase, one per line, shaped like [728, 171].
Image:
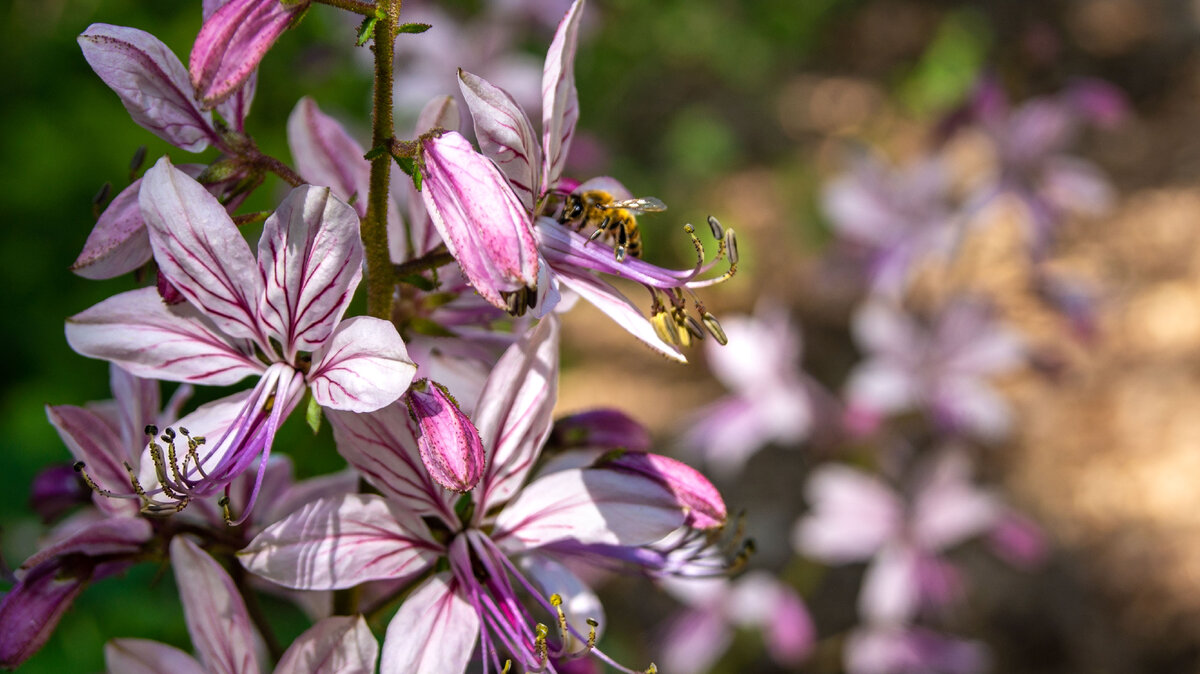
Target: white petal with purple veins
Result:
[362, 366]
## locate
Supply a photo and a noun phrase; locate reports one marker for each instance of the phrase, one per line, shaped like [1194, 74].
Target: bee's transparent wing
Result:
[642, 205]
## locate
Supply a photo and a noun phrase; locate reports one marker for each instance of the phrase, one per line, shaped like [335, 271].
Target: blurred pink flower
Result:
[770, 400]
[940, 366]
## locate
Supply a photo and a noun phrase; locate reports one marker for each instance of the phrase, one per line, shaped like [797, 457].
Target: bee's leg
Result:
[619, 251]
[600, 230]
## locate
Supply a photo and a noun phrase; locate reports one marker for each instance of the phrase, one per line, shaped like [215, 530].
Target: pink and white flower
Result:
[224, 636]
[278, 319]
[480, 552]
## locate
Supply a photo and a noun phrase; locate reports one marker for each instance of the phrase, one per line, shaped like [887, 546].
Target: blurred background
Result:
[749, 111]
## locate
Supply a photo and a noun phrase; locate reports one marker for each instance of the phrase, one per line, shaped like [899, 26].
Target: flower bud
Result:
[696, 495]
[600, 429]
[479, 217]
[449, 444]
[233, 41]
[56, 490]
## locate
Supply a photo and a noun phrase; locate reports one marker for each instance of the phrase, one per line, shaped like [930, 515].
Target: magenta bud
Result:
[167, 290]
[697, 496]
[450, 446]
[600, 429]
[56, 490]
[233, 41]
[483, 224]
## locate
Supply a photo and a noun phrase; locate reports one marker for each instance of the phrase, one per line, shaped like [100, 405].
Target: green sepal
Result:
[312, 415]
[413, 28]
[376, 152]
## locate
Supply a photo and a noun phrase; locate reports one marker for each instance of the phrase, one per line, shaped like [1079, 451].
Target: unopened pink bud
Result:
[479, 217]
[233, 41]
[696, 495]
[449, 444]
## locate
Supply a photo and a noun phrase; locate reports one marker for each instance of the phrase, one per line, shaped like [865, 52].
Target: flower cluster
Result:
[440, 404]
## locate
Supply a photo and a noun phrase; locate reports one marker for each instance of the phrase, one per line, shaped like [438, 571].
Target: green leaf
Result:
[366, 30]
[413, 28]
[375, 152]
[313, 415]
[409, 166]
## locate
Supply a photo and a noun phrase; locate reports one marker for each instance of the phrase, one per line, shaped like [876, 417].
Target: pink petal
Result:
[513, 414]
[91, 441]
[150, 339]
[200, 250]
[151, 81]
[589, 506]
[382, 446]
[434, 632]
[891, 590]
[479, 218]
[142, 656]
[233, 41]
[505, 135]
[118, 243]
[221, 631]
[560, 100]
[694, 640]
[326, 154]
[361, 367]
[310, 258]
[338, 645]
[699, 499]
[853, 514]
[339, 542]
[609, 300]
[949, 508]
[449, 444]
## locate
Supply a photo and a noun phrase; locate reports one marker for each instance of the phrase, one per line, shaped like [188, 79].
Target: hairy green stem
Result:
[374, 227]
[356, 6]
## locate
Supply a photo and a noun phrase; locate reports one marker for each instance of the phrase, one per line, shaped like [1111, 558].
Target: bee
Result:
[615, 220]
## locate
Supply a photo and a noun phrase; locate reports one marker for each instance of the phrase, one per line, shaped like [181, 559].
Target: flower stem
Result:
[438, 257]
[374, 226]
[356, 6]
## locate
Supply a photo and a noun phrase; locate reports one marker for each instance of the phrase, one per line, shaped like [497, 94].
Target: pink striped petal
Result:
[200, 250]
[221, 631]
[513, 414]
[337, 645]
[382, 446]
[609, 300]
[150, 339]
[118, 243]
[479, 218]
[233, 41]
[363, 366]
[339, 542]
[142, 656]
[91, 441]
[326, 154]
[853, 515]
[434, 632]
[310, 258]
[505, 135]
[588, 506]
[151, 82]
[560, 100]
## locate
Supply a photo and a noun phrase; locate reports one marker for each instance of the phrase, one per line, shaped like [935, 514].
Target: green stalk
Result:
[379, 273]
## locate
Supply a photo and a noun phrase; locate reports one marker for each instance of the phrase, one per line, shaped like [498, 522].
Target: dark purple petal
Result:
[601, 428]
